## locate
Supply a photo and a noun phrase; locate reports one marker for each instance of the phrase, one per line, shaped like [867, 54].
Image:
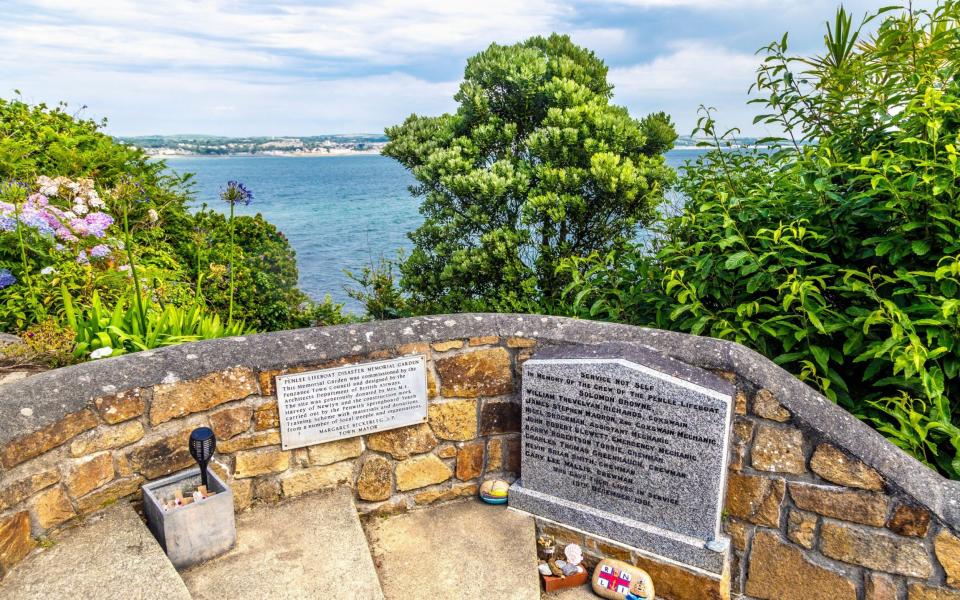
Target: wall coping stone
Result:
[33, 403]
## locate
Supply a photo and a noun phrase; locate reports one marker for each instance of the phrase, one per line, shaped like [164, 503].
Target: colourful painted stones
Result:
[494, 491]
[617, 580]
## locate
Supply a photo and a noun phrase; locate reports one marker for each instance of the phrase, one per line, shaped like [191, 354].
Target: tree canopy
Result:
[536, 165]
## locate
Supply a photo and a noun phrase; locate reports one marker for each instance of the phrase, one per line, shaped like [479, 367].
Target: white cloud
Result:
[692, 73]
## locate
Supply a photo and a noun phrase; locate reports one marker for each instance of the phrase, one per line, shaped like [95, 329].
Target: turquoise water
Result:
[339, 212]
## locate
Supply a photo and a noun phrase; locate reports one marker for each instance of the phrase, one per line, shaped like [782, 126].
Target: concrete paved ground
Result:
[583, 592]
[457, 551]
[312, 547]
[112, 555]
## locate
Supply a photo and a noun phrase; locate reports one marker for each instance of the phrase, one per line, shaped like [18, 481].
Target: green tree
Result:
[536, 165]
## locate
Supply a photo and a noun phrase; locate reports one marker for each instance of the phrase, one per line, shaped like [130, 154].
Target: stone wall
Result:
[818, 504]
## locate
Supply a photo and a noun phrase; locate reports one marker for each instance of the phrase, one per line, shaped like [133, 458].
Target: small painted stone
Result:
[494, 491]
[544, 569]
[617, 580]
[567, 568]
[573, 553]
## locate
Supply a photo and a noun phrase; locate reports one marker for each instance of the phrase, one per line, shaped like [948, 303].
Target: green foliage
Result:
[535, 166]
[837, 252]
[120, 330]
[175, 257]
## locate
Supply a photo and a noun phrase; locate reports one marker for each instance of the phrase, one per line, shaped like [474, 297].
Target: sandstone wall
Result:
[818, 504]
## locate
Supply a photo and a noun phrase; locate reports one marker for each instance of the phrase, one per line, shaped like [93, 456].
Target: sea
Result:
[340, 213]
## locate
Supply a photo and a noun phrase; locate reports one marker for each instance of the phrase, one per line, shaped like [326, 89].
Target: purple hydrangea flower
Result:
[6, 279]
[7, 223]
[82, 258]
[236, 193]
[100, 251]
[97, 223]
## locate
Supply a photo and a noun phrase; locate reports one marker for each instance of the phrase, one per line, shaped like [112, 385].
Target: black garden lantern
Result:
[202, 445]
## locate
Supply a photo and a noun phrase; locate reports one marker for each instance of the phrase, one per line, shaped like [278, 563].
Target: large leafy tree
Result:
[536, 165]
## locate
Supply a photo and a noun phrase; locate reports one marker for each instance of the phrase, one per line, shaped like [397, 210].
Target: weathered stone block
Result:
[89, 474]
[251, 463]
[108, 494]
[835, 466]
[511, 457]
[336, 451]
[375, 480]
[755, 499]
[738, 532]
[447, 345]
[447, 451]
[172, 400]
[484, 340]
[404, 441]
[740, 403]
[779, 571]
[495, 454]
[51, 507]
[36, 443]
[918, 591]
[420, 472]
[15, 540]
[802, 528]
[24, 485]
[766, 406]
[520, 342]
[229, 422]
[477, 373]
[672, 581]
[868, 508]
[878, 586]
[107, 438]
[124, 406]
[158, 457]
[460, 490]
[470, 460]
[910, 520]
[454, 419]
[875, 549]
[242, 493]
[742, 436]
[267, 416]
[301, 481]
[778, 450]
[499, 417]
[947, 547]
[248, 442]
[267, 489]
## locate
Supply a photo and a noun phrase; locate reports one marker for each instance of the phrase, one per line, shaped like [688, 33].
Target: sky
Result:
[302, 67]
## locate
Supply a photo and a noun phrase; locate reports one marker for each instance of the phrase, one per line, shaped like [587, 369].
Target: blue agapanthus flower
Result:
[236, 193]
[6, 279]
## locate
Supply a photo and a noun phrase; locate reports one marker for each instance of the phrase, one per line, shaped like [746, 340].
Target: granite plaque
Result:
[332, 404]
[626, 443]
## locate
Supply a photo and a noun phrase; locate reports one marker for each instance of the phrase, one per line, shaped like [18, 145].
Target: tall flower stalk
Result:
[18, 192]
[125, 192]
[234, 193]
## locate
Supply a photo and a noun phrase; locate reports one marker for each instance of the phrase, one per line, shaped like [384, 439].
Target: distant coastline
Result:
[362, 144]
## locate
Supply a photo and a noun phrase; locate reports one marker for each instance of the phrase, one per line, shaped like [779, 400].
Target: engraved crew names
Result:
[626, 439]
[332, 404]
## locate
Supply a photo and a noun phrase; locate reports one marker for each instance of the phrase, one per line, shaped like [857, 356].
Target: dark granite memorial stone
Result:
[623, 442]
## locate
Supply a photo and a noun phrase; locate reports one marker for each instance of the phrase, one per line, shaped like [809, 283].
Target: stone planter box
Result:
[198, 531]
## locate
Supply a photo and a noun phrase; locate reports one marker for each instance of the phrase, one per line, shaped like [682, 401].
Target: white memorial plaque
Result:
[333, 404]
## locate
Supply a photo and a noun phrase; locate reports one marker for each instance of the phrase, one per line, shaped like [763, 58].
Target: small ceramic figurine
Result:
[617, 580]
[574, 554]
[546, 546]
[494, 491]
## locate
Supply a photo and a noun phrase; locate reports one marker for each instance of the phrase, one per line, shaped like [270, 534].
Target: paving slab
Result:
[459, 550]
[312, 547]
[582, 592]
[112, 555]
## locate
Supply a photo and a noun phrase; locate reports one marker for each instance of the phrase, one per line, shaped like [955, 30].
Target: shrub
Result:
[837, 252]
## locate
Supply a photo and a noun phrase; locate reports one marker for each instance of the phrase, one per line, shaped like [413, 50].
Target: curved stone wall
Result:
[818, 504]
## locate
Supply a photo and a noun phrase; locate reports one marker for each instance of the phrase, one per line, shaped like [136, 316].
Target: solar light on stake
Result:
[202, 445]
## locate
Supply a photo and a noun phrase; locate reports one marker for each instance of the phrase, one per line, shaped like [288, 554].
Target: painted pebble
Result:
[617, 580]
[494, 491]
